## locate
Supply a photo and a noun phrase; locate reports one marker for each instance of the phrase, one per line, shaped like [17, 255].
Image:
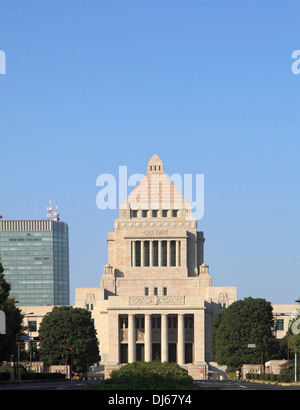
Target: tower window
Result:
[164, 253]
[138, 253]
[164, 213]
[155, 253]
[134, 213]
[174, 213]
[146, 253]
[144, 213]
[154, 213]
[173, 253]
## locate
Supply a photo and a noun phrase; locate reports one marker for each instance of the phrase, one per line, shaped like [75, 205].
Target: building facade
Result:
[35, 257]
[156, 298]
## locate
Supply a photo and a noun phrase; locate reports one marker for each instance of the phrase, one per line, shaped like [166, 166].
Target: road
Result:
[240, 385]
[204, 384]
[63, 385]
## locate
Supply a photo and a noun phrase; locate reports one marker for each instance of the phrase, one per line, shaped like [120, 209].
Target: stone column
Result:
[142, 253]
[168, 253]
[148, 338]
[133, 254]
[199, 337]
[150, 253]
[164, 338]
[159, 253]
[113, 347]
[183, 260]
[131, 339]
[181, 340]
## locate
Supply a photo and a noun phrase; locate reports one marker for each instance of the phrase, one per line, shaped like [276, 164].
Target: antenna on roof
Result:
[49, 210]
[56, 214]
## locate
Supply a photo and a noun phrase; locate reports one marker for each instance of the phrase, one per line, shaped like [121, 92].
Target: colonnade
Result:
[185, 339]
[156, 252]
[164, 338]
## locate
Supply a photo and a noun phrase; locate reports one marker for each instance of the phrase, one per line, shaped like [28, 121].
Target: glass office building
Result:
[35, 258]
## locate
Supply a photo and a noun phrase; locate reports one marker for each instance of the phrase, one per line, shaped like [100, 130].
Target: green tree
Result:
[14, 320]
[294, 337]
[71, 327]
[248, 321]
[4, 286]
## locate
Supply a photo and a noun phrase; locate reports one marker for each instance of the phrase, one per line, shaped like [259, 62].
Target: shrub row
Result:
[150, 375]
[281, 378]
[43, 376]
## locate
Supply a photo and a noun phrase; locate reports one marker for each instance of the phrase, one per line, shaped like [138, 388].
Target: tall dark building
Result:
[35, 256]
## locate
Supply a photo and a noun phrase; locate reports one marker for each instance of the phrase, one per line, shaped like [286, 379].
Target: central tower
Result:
[155, 229]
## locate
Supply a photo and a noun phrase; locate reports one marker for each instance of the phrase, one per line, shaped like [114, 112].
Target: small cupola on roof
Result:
[155, 165]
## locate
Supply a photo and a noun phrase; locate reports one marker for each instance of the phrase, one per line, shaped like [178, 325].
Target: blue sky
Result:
[206, 85]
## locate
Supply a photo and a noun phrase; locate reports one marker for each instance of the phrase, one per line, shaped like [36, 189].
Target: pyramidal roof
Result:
[156, 190]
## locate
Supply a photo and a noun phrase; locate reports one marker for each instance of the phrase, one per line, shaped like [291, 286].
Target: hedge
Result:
[5, 376]
[43, 376]
[281, 378]
[149, 375]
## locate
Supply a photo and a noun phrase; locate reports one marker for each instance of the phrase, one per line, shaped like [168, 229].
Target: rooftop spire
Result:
[155, 165]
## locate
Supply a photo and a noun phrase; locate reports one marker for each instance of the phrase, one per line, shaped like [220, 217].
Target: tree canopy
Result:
[66, 326]
[294, 336]
[14, 319]
[248, 321]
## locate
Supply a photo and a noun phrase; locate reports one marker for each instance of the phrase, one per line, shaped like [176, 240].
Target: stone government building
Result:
[156, 298]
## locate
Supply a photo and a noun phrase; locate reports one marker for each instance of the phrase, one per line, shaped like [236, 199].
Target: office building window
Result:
[279, 324]
[32, 326]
